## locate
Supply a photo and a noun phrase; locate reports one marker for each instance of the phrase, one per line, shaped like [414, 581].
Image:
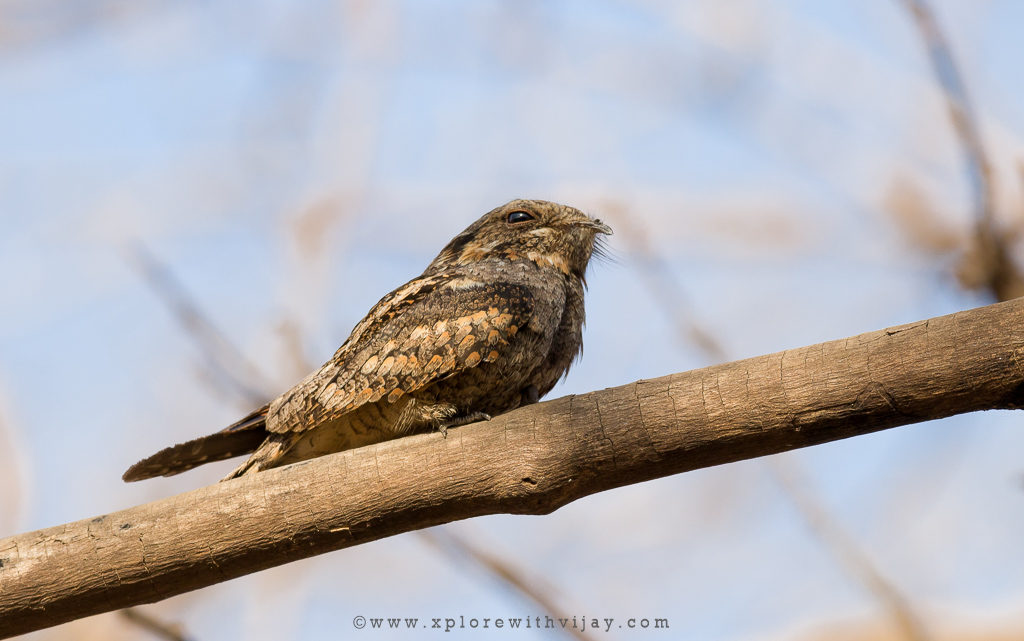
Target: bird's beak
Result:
[597, 226]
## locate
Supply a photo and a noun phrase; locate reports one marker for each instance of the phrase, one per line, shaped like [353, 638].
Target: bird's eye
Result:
[519, 217]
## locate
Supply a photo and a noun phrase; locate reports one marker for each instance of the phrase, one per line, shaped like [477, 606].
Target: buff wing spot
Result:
[466, 343]
[433, 364]
[370, 364]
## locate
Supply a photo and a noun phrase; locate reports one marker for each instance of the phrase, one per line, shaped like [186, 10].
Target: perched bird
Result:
[493, 323]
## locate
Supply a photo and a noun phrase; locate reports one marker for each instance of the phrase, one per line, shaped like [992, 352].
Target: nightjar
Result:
[492, 324]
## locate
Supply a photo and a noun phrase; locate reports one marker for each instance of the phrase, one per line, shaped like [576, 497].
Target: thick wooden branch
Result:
[530, 461]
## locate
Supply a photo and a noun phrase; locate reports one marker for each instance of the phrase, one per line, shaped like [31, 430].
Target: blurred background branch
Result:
[988, 262]
[224, 361]
[847, 551]
[509, 575]
[157, 628]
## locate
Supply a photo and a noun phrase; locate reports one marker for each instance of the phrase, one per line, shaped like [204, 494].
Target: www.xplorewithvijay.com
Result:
[536, 622]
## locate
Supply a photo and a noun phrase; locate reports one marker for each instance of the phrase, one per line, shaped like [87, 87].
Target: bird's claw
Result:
[462, 420]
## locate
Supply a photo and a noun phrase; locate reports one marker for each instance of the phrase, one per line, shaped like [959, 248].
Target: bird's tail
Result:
[239, 438]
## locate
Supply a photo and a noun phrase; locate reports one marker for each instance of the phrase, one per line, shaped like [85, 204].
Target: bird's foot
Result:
[465, 419]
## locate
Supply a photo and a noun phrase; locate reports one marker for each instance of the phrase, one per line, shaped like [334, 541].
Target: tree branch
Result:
[530, 461]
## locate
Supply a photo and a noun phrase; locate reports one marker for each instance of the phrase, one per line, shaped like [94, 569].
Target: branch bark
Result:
[531, 461]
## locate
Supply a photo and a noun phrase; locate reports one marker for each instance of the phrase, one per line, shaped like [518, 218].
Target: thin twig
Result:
[848, 553]
[297, 362]
[669, 295]
[988, 264]
[961, 112]
[150, 623]
[509, 575]
[224, 360]
[665, 288]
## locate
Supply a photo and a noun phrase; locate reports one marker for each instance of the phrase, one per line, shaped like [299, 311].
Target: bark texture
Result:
[530, 461]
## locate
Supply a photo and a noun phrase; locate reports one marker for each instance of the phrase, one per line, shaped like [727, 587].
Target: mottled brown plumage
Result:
[493, 323]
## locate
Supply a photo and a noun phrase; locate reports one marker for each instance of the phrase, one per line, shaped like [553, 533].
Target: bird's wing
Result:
[402, 346]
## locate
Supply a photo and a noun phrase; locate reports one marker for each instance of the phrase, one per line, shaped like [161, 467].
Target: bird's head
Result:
[551, 235]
